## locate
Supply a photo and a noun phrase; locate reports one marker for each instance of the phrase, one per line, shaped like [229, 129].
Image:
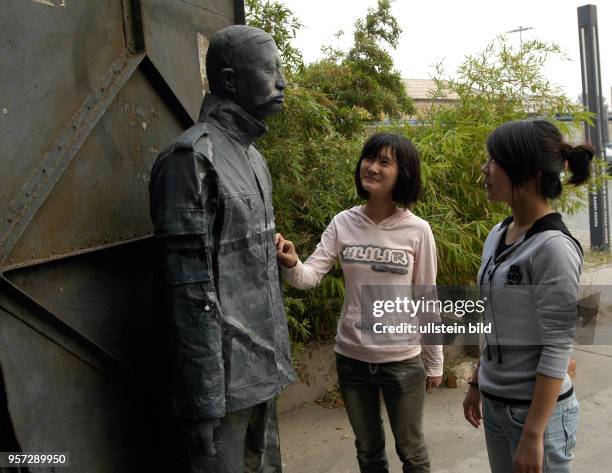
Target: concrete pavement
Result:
[319, 440]
[315, 439]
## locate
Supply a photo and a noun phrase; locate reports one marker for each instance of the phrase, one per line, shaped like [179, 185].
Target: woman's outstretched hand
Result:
[285, 252]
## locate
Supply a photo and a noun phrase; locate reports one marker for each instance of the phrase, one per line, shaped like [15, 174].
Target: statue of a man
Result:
[220, 295]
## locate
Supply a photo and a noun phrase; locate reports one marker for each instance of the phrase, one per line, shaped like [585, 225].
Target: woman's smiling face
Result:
[378, 174]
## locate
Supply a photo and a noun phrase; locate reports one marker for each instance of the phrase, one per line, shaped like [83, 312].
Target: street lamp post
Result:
[520, 30]
[592, 100]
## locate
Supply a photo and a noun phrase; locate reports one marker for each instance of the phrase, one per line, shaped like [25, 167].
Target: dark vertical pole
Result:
[592, 100]
[604, 122]
[239, 17]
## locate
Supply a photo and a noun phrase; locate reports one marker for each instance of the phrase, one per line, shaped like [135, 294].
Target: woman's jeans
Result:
[503, 425]
[403, 388]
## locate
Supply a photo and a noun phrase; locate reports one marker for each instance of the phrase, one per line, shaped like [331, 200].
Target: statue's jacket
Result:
[227, 345]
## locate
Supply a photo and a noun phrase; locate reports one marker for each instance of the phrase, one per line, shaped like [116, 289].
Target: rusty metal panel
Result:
[91, 92]
[52, 60]
[102, 197]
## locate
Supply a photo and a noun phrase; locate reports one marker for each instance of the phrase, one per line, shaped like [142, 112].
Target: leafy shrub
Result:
[313, 146]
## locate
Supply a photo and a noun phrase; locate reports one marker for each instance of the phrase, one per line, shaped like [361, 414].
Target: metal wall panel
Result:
[52, 60]
[170, 30]
[47, 387]
[92, 91]
[105, 296]
[102, 197]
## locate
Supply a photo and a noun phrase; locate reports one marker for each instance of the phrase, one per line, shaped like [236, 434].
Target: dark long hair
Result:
[527, 149]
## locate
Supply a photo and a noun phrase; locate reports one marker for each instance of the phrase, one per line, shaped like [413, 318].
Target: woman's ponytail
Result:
[536, 149]
[579, 161]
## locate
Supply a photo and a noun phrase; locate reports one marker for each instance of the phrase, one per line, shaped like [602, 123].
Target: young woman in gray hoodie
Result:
[529, 276]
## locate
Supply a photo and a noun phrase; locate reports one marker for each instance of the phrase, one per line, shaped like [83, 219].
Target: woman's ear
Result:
[226, 76]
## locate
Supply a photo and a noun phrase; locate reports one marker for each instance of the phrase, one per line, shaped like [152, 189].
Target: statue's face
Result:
[260, 83]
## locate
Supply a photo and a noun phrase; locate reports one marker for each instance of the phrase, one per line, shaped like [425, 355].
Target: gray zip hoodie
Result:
[531, 291]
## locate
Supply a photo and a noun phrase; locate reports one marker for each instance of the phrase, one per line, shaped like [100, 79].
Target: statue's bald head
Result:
[232, 47]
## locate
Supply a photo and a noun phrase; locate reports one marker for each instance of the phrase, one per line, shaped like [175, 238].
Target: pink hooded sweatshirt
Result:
[400, 250]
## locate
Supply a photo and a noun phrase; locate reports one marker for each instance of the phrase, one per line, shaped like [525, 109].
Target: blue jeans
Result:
[503, 425]
[402, 384]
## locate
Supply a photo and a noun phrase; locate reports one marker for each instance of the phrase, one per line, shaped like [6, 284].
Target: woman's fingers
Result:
[471, 418]
[279, 241]
[285, 252]
[288, 247]
[283, 247]
[471, 412]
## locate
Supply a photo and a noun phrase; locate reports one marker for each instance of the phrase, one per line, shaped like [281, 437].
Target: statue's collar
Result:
[232, 118]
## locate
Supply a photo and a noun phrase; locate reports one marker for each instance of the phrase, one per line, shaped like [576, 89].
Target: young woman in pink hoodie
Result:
[380, 245]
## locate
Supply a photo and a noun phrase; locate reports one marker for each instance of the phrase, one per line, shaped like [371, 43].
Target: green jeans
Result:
[402, 384]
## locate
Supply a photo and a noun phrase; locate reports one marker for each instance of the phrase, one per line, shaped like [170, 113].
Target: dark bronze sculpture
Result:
[228, 351]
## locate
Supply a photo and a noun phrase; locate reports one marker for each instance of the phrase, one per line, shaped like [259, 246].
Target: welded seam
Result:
[70, 254]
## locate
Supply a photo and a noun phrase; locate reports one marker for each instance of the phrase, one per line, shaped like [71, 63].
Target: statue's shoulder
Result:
[187, 141]
[193, 144]
[196, 139]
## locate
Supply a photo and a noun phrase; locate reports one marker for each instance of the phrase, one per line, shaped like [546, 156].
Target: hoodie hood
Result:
[551, 221]
[399, 215]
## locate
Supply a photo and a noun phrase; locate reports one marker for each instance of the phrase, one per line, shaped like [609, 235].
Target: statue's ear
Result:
[227, 79]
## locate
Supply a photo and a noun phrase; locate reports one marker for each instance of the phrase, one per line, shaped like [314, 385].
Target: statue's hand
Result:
[201, 436]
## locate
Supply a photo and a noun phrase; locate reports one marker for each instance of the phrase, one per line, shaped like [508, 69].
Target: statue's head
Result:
[243, 65]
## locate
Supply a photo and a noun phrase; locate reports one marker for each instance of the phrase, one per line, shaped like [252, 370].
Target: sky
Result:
[447, 31]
